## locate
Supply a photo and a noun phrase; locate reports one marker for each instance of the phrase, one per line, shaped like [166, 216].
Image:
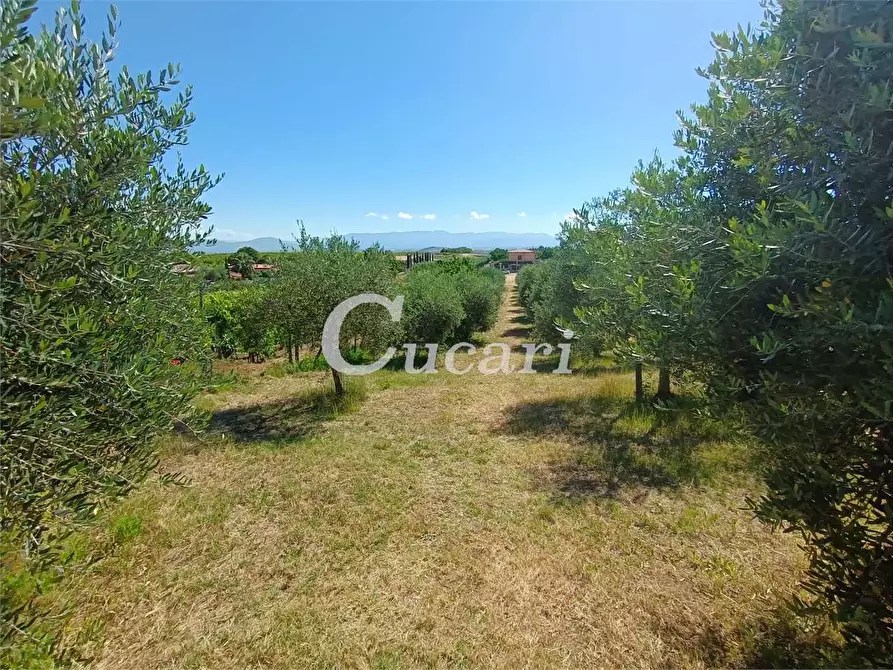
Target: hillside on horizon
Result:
[417, 240]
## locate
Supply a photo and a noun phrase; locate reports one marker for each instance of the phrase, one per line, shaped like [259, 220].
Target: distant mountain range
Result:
[417, 240]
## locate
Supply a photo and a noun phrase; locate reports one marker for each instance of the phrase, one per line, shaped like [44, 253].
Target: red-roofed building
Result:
[518, 258]
[522, 256]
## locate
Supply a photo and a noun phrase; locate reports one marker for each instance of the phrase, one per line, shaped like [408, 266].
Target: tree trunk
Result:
[339, 387]
[297, 353]
[640, 390]
[663, 384]
[288, 346]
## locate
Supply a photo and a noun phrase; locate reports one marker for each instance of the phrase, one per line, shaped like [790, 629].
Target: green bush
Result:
[550, 292]
[450, 300]
[481, 292]
[498, 255]
[529, 281]
[242, 320]
[432, 310]
[315, 276]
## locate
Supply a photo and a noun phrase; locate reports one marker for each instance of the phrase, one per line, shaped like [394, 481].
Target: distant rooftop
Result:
[521, 251]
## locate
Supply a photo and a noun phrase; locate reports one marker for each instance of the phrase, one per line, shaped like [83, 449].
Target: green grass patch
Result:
[126, 528]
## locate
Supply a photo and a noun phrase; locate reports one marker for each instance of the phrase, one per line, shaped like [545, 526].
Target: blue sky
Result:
[471, 112]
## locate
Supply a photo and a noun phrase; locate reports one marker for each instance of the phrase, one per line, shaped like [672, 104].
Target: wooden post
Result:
[640, 391]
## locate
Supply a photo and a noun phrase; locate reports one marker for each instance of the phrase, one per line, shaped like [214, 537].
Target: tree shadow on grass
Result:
[284, 420]
[397, 363]
[779, 639]
[547, 363]
[520, 333]
[622, 446]
[784, 641]
[776, 638]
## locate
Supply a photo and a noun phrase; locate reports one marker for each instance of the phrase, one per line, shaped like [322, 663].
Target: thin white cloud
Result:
[404, 215]
[478, 217]
[385, 217]
[522, 213]
[371, 214]
[229, 234]
[428, 217]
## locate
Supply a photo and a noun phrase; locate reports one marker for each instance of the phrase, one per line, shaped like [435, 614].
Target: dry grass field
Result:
[441, 520]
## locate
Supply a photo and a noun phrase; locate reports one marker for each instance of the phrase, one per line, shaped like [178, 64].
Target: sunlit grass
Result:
[439, 520]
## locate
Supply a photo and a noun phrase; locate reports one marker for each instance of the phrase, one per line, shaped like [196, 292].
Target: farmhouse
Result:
[517, 258]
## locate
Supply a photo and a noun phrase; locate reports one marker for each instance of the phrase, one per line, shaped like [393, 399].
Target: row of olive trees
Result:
[761, 264]
[446, 301]
[91, 218]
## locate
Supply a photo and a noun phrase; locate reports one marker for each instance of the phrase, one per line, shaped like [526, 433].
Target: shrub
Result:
[241, 320]
[550, 293]
[432, 311]
[498, 255]
[450, 300]
[481, 292]
[529, 280]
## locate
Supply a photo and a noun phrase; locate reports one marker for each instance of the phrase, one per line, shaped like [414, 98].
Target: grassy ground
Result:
[502, 520]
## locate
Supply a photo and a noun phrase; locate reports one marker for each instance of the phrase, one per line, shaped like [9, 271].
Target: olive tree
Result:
[761, 262]
[92, 215]
[315, 275]
[795, 287]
